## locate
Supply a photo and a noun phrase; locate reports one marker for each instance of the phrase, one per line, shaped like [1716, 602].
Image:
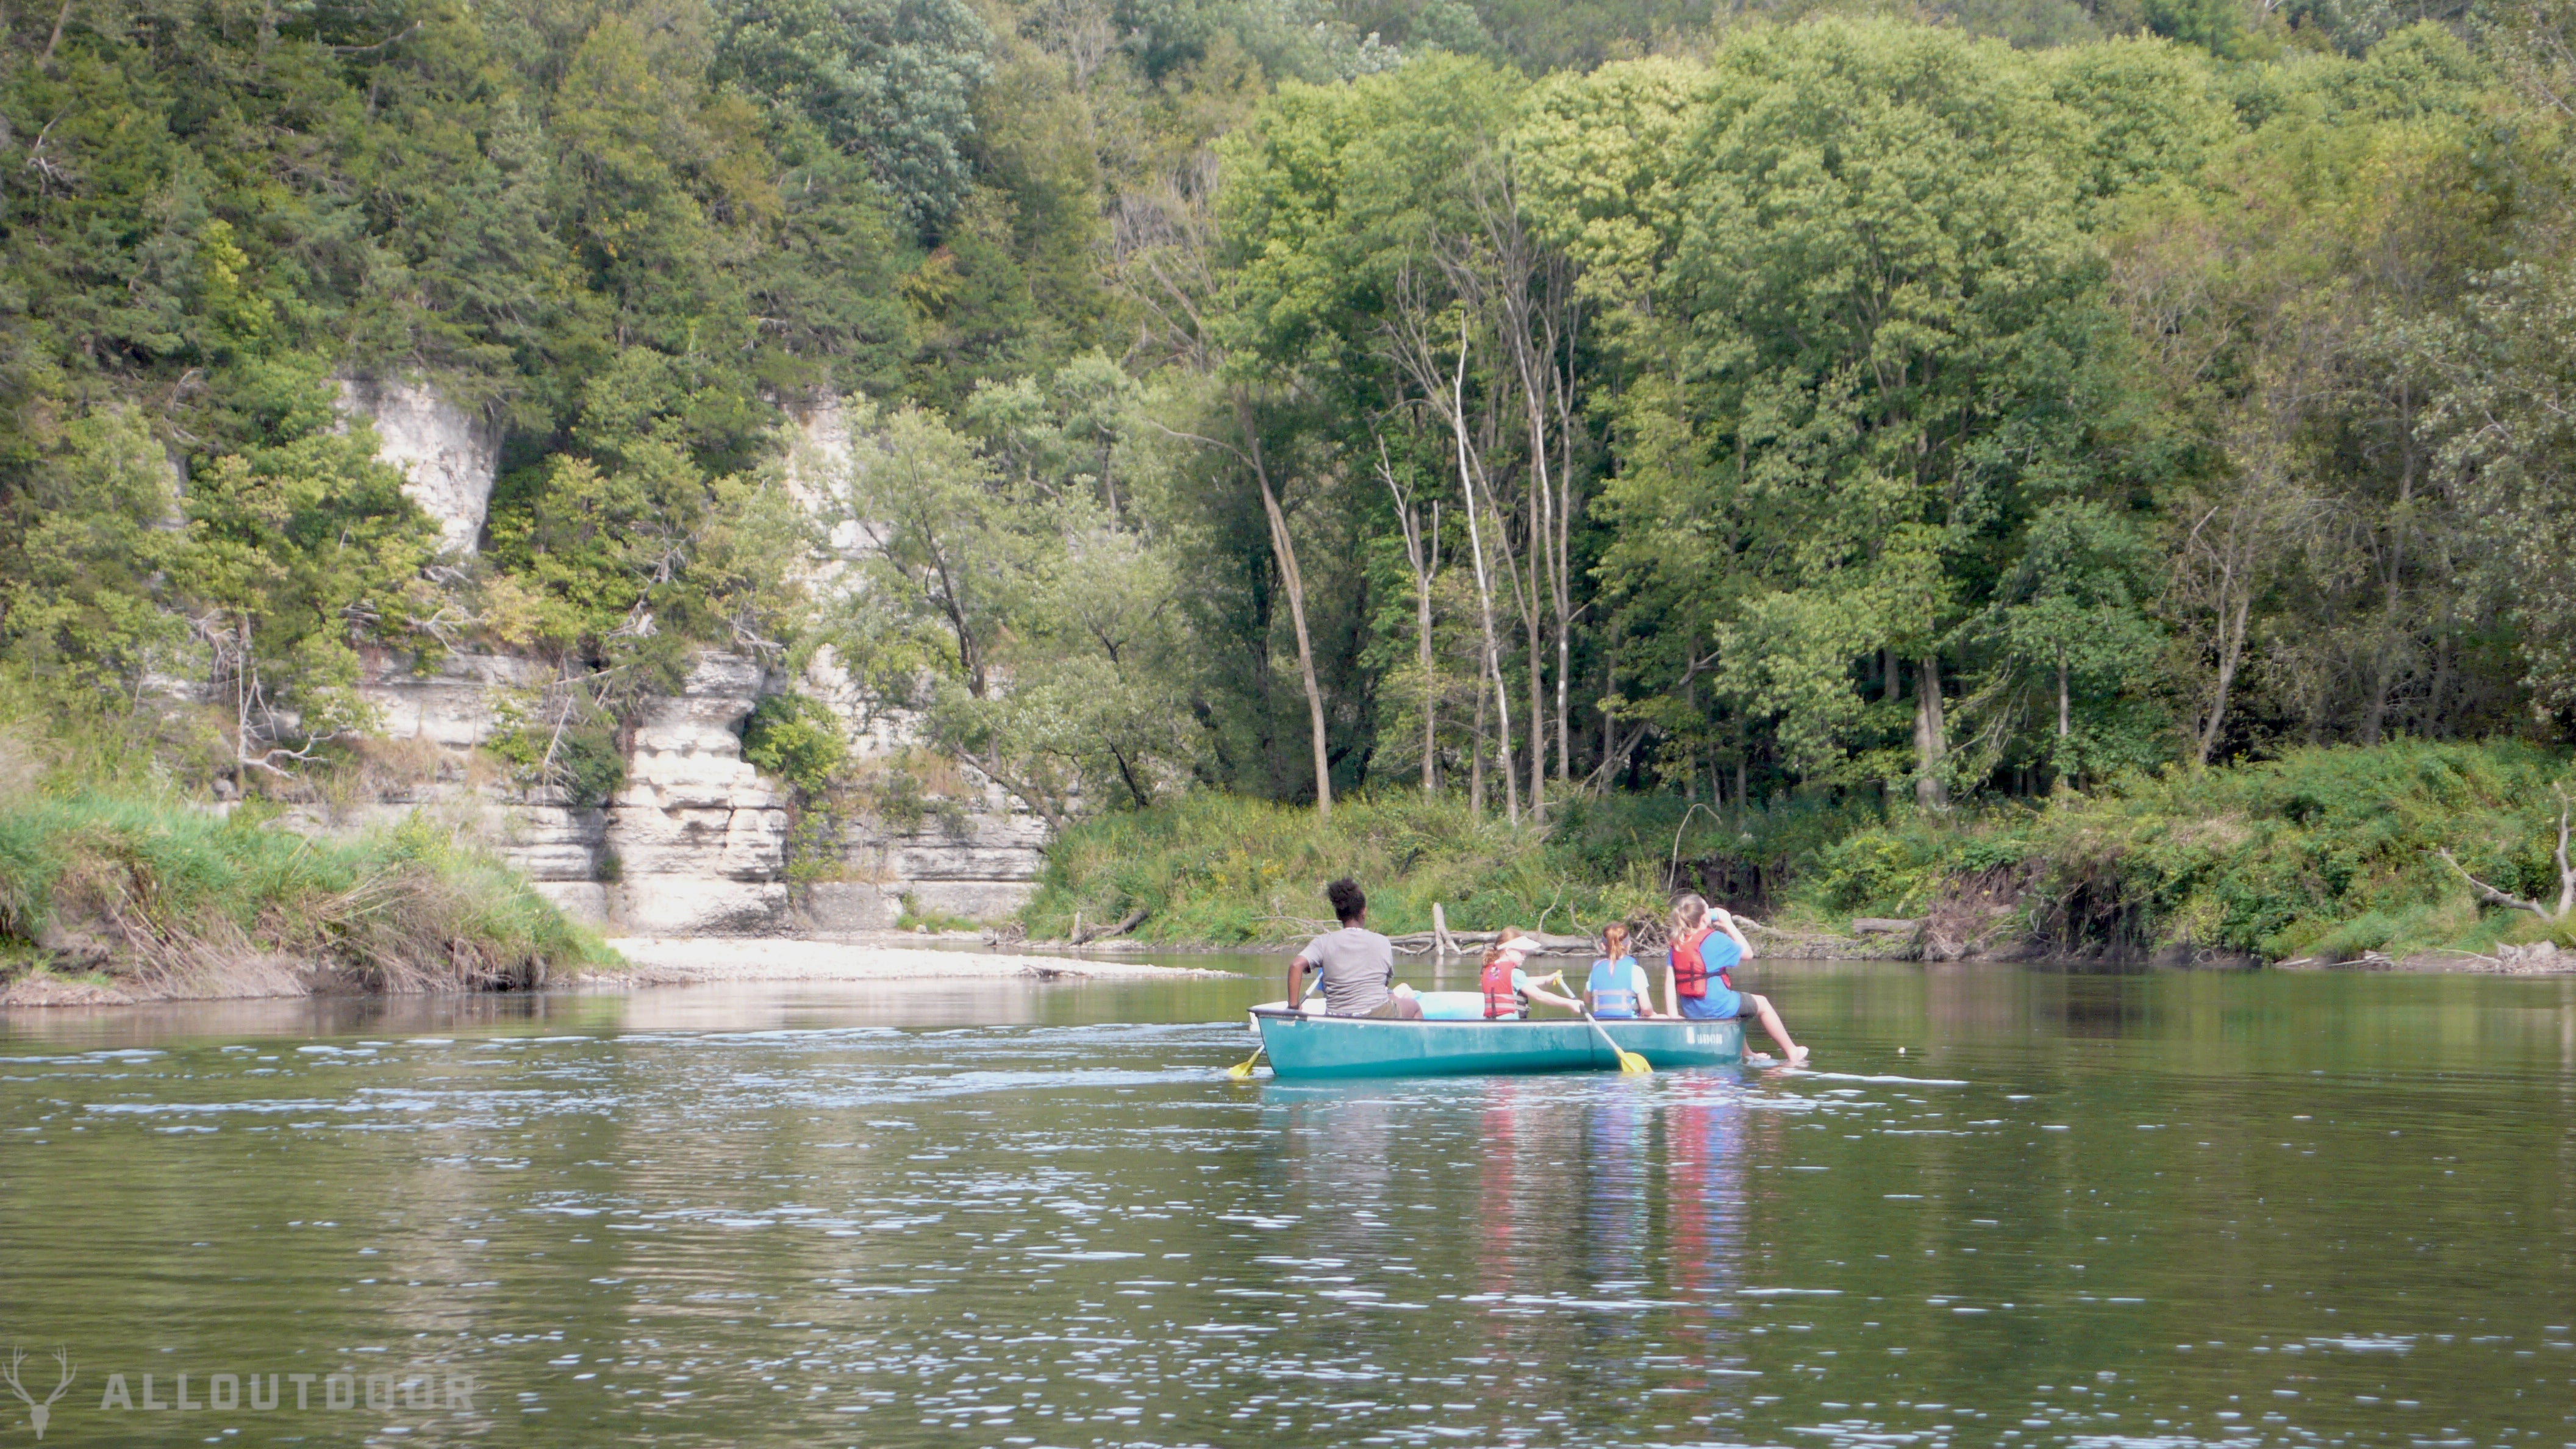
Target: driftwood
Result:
[2566, 874]
[1885, 926]
[1457, 941]
[1126, 923]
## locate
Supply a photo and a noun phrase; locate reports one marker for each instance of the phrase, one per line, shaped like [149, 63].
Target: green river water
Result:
[2009, 1206]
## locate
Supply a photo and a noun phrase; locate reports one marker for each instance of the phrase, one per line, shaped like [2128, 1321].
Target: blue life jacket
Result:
[1615, 1000]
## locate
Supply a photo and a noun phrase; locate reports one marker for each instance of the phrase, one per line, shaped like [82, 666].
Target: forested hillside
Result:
[1297, 397]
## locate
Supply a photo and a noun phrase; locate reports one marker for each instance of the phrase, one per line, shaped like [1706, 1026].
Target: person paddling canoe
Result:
[1698, 973]
[1357, 965]
[1508, 986]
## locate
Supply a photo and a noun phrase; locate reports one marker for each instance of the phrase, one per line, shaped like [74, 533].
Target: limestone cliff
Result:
[696, 841]
[448, 456]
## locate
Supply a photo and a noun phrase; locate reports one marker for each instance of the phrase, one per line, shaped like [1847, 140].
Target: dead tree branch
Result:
[2490, 893]
[2566, 872]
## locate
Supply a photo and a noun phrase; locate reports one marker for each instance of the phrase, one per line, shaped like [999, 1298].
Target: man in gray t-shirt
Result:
[1357, 964]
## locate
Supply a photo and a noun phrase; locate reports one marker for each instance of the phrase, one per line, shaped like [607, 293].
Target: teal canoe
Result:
[1304, 1046]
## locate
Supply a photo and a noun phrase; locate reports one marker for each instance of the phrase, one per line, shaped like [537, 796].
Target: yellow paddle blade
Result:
[1633, 1065]
[1242, 1070]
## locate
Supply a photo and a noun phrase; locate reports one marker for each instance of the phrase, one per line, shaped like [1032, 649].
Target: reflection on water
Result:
[2151, 1209]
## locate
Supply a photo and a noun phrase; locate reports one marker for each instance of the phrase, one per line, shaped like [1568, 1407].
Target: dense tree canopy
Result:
[1301, 395]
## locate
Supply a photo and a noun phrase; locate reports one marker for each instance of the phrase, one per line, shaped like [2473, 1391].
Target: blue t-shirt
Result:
[1721, 953]
[1623, 974]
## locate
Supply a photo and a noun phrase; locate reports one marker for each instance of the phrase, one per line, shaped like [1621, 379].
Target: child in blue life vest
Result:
[1617, 989]
[1698, 974]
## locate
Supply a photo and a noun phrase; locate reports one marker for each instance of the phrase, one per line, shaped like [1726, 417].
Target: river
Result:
[2010, 1206]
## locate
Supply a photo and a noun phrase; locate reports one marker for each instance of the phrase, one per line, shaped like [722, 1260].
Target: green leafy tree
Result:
[295, 555]
[82, 608]
[1886, 280]
[888, 80]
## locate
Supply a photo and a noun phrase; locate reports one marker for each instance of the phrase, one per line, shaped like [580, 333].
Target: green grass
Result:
[2323, 853]
[913, 918]
[157, 888]
[1219, 869]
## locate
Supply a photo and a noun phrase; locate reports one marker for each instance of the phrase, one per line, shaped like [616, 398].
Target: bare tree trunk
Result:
[2392, 571]
[1430, 675]
[1561, 380]
[1534, 291]
[1538, 704]
[1609, 723]
[1293, 580]
[1503, 759]
[1931, 740]
[2218, 570]
[2231, 650]
[1423, 558]
[1476, 754]
[1484, 584]
[55, 39]
[2061, 696]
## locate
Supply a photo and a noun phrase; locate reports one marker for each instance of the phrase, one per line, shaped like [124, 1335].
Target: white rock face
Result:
[700, 837]
[447, 455]
[695, 842]
[451, 704]
[430, 723]
[818, 461]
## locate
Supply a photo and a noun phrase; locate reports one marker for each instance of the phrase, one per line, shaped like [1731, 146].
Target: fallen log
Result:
[1126, 923]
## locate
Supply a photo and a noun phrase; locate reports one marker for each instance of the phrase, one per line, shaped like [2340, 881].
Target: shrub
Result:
[796, 739]
[167, 892]
[2325, 852]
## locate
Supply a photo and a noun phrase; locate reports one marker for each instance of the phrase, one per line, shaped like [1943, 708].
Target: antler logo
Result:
[38, 1413]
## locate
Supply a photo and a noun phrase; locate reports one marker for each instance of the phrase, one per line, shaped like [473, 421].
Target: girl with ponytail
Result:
[1699, 977]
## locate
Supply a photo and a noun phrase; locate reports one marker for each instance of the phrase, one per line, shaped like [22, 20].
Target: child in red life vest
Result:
[1509, 990]
[1698, 974]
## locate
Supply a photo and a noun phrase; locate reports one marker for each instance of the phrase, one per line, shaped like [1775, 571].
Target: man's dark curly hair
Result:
[1348, 903]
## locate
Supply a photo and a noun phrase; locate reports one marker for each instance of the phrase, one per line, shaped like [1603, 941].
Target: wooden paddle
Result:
[1242, 1071]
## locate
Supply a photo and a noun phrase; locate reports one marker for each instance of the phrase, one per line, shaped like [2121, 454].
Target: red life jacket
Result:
[1500, 999]
[1690, 968]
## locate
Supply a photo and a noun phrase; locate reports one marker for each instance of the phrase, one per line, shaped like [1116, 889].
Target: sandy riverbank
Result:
[656, 961]
[651, 961]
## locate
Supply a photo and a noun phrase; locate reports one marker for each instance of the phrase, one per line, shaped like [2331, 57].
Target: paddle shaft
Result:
[1618, 1053]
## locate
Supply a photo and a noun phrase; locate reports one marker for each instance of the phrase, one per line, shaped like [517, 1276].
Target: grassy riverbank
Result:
[2322, 855]
[1219, 869]
[144, 895]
